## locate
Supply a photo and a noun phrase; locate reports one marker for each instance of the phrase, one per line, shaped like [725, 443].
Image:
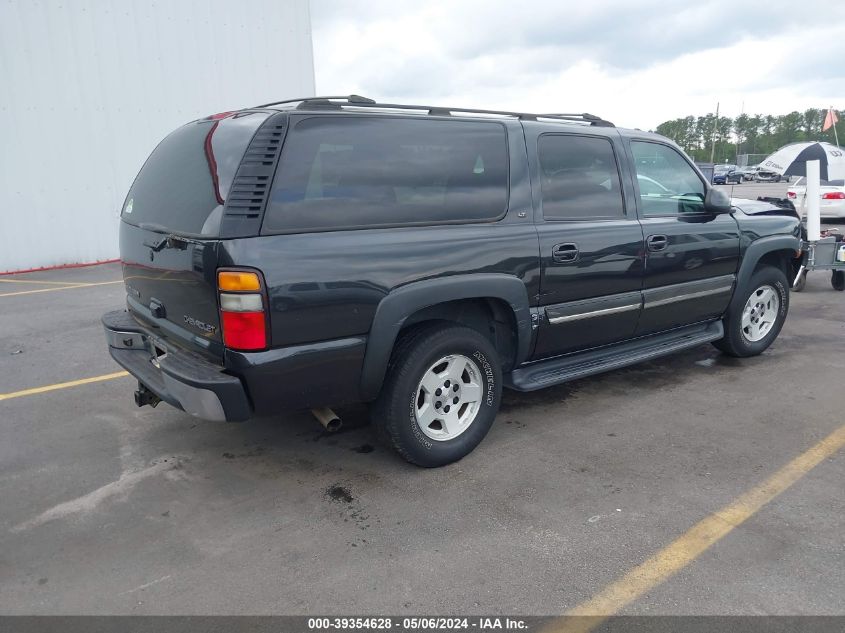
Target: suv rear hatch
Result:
[170, 229]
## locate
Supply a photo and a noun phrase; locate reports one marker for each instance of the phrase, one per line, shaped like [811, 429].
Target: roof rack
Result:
[357, 101]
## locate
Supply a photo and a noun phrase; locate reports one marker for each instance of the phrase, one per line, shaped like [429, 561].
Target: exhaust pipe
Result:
[328, 419]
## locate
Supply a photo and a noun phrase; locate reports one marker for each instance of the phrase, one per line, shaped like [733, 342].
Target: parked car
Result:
[325, 251]
[749, 172]
[763, 175]
[722, 173]
[832, 193]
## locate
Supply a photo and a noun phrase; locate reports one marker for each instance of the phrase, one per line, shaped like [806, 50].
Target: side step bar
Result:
[563, 369]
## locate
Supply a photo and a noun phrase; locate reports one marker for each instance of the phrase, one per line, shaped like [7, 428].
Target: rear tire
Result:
[759, 317]
[441, 394]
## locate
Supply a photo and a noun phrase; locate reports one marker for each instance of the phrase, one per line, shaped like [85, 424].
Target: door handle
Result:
[565, 253]
[657, 242]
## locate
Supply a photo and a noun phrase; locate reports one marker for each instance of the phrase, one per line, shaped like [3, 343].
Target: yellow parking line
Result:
[30, 292]
[61, 385]
[40, 281]
[692, 544]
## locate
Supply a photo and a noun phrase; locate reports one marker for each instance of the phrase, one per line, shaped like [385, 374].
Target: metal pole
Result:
[835, 135]
[713, 138]
[813, 202]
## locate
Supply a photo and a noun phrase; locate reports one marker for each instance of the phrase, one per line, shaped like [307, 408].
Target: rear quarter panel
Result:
[328, 285]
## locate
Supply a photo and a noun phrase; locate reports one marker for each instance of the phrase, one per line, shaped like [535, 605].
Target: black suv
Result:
[333, 250]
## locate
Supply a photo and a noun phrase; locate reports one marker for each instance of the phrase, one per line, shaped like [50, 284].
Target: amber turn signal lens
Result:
[231, 280]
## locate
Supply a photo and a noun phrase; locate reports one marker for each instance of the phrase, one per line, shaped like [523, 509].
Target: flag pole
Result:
[833, 119]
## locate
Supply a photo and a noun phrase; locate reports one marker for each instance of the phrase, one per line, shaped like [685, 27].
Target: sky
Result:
[637, 63]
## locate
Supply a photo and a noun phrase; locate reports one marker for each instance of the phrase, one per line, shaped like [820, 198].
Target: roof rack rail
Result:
[358, 101]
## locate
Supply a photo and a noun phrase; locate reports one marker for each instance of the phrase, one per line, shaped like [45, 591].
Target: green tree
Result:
[812, 124]
[789, 129]
[741, 129]
[747, 134]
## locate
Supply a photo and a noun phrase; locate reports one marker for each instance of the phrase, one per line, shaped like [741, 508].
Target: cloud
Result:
[635, 63]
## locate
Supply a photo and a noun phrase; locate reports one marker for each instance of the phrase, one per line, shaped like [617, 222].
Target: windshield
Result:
[184, 183]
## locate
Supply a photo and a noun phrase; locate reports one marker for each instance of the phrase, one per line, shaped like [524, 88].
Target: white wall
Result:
[89, 87]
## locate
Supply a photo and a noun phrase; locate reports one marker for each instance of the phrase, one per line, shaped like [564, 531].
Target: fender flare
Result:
[399, 304]
[755, 251]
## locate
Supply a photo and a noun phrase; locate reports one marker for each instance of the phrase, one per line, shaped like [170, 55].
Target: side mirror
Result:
[717, 201]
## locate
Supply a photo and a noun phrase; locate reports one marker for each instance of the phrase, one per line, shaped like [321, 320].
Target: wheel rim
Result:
[448, 397]
[760, 313]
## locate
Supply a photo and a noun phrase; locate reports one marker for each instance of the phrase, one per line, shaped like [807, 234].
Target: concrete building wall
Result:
[88, 88]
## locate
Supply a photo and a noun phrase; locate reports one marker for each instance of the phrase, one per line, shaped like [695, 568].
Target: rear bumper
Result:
[182, 379]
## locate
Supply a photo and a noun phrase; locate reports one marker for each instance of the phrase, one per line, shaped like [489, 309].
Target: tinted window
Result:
[579, 178]
[346, 172]
[184, 183]
[668, 185]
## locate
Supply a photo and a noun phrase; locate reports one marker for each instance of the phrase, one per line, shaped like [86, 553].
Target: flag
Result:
[830, 120]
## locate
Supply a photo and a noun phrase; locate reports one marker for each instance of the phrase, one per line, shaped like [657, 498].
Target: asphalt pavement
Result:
[111, 509]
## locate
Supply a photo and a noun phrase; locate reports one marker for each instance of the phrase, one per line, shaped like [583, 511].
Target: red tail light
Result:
[244, 330]
[791, 195]
[243, 318]
[834, 195]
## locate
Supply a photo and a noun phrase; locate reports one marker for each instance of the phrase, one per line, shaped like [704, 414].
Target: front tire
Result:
[441, 394]
[750, 329]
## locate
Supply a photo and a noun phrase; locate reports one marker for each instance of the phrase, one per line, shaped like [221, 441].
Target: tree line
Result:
[747, 133]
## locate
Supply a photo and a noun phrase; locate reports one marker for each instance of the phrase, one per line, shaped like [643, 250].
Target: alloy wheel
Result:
[448, 397]
[760, 313]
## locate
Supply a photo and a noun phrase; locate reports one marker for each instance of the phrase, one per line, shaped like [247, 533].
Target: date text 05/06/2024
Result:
[418, 623]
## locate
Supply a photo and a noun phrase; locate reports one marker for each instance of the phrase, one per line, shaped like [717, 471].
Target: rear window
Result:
[184, 183]
[355, 172]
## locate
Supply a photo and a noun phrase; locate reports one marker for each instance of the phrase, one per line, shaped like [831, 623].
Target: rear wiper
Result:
[171, 240]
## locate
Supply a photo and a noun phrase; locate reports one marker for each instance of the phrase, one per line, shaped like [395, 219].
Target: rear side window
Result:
[579, 178]
[184, 183]
[359, 172]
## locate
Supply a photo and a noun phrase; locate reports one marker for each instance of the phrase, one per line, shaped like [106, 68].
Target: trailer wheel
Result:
[837, 280]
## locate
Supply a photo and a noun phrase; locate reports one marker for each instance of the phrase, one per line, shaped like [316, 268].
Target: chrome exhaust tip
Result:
[328, 418]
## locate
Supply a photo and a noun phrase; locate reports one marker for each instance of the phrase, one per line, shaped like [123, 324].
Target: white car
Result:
[749, 172]
[832, 197]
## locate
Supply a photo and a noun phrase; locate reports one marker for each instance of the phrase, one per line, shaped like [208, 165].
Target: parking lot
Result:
[111, 509]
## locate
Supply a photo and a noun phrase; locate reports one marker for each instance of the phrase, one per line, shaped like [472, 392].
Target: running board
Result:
[571, 367]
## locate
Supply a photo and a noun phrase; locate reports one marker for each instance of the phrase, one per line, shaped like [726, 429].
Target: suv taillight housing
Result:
[243, 314]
